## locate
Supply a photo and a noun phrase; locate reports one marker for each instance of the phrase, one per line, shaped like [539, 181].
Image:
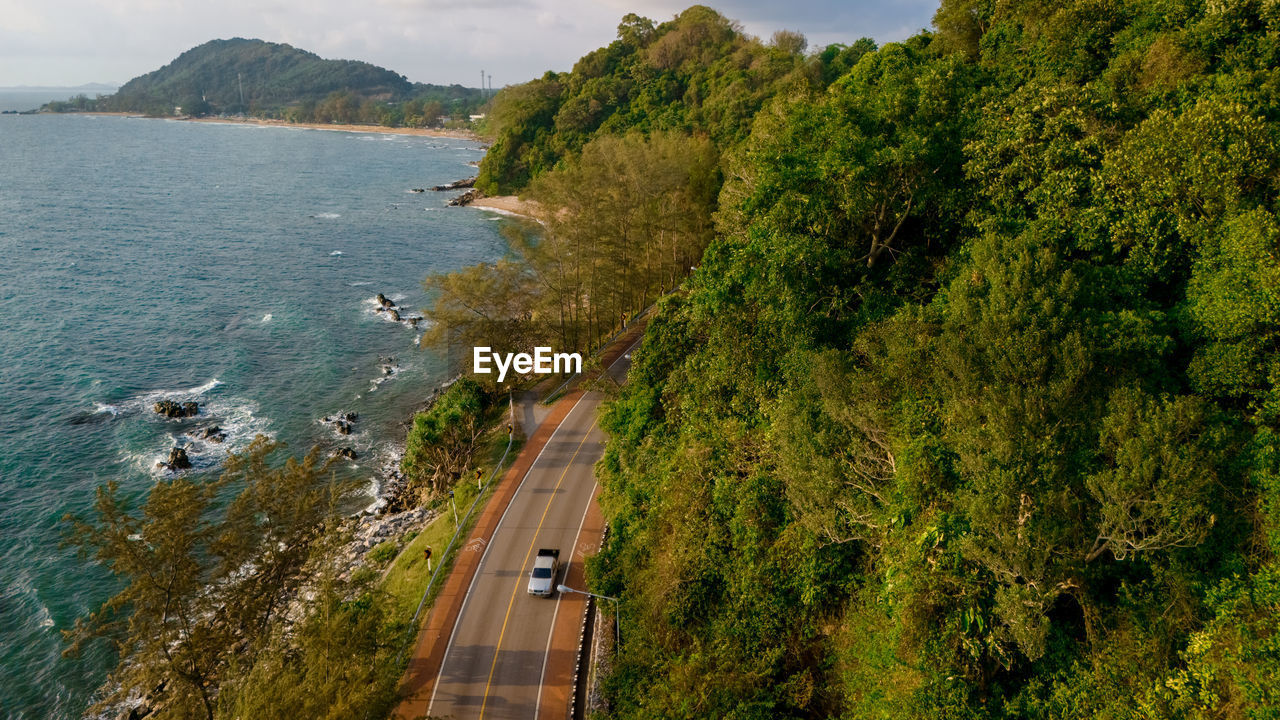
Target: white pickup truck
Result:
[542, 581]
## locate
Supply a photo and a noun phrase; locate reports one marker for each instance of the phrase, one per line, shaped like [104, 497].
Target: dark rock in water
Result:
[171, 409]
[178, 460]
[466, 198]
[413, 321]
[388, 369]
[347, 453]
[418, 190]
[213, 434]
[384, 302]
[395, 316]
[456, 185]
[342, 422]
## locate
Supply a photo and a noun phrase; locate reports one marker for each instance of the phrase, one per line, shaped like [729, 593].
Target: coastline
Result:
[509, 205]
[380, 129]
[134, 437]
[337, 127]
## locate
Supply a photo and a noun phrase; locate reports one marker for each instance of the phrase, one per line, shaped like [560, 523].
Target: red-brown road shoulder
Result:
[557, 679]
[428, 653]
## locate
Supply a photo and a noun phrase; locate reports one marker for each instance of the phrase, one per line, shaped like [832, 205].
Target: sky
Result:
[73, 42]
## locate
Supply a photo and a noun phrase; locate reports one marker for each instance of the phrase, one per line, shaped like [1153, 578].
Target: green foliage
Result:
[1231, 665]
[204, 583]
[383, 552]
[970, 409]
[339, 662]
[632, 215]
[697, 73]
[276, 80]
[443, 440]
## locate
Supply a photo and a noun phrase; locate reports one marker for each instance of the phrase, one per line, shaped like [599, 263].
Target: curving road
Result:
[502, 650]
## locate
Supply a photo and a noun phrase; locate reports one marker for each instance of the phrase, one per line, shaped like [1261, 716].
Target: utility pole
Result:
[482, 94]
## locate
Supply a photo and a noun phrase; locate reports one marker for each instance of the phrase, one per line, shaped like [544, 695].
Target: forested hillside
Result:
[969, 409]
[276, 80]
[697, 74]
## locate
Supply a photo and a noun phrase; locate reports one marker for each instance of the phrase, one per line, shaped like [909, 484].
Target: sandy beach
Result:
[509, 204]
[427, 132]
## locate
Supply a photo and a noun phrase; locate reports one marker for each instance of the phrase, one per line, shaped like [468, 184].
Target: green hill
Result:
[271, 75]
[269, 79]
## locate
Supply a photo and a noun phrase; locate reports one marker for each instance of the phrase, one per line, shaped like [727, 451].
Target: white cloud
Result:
[68, 42]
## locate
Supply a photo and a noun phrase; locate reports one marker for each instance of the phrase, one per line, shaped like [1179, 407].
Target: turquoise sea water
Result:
[232, 265]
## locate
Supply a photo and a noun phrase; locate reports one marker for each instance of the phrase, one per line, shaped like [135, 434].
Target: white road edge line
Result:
[542, 679]
[480, 567]
[546, 655]
[489, 546]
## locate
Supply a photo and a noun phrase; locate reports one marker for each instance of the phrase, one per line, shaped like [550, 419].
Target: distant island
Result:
[277, 81]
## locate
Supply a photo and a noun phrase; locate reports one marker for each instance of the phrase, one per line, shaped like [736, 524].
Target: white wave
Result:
[389, 372]
[112, 410]
[373, 307]
[146, 400]
[360, 283]
[236, 418]
[327, 215]
[22, 589]
[202, 389]
[266, 318]
[335, 253]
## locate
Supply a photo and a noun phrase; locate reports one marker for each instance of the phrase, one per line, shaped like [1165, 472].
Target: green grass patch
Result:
[407, 576]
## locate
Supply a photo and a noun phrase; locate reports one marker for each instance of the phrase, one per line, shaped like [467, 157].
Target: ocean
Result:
[232, 265]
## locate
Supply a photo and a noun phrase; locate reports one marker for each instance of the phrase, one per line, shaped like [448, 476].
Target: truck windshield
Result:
[541, 573]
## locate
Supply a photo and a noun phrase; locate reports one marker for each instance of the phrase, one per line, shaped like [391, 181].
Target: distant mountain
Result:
[261, 78]
[29, 97]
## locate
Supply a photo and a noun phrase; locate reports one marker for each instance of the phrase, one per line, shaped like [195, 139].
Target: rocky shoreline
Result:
[392, 515]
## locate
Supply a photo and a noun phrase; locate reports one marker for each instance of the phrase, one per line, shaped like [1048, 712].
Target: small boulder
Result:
[178, 460]
[347, 453]
[211, 433]
[395, 315]
[171, 409]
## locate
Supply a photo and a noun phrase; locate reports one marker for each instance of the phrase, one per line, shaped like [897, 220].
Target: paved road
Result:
[500, 647]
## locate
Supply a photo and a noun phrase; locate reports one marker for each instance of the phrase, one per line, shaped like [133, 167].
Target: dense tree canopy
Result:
[240, 76]
[697, 73]
[969, 409]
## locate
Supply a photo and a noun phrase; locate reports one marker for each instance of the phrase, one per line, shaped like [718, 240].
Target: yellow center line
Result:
[515, 590]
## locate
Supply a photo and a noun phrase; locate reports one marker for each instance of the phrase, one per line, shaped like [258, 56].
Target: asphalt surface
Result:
[499, 648]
